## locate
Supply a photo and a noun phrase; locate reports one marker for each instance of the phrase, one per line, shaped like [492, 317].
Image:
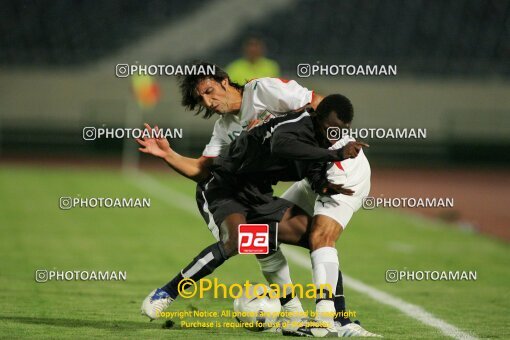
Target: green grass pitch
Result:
[152, 244]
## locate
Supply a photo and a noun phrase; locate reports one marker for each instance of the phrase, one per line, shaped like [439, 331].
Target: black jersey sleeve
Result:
[296, 140]
[317, 177]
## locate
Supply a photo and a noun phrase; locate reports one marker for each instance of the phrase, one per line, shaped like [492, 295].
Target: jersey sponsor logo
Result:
[253, 239]
[265, 116]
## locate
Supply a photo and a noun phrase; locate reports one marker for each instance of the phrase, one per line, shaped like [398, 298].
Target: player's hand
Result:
[351, 150]
[158, 147]
[335, 189]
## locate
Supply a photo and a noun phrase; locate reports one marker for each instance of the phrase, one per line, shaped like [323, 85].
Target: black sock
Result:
[340, 302]
[204, 264]
[284, 300]
[323, 294]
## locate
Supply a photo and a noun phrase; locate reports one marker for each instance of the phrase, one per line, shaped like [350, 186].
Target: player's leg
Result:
[228, 214]
[276, 270]
[332, 216]
[295, 229]
[274, 266]
[325, 231]
[201, 266]
[325, 267]
[211, 257]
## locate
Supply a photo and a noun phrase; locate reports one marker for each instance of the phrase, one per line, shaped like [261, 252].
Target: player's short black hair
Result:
[338, 103]
[188, 85]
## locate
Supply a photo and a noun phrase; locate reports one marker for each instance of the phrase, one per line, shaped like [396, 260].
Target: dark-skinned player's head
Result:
[209, 93]
[334, 111]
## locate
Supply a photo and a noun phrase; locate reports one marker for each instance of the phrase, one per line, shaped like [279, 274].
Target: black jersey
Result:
[286, 148]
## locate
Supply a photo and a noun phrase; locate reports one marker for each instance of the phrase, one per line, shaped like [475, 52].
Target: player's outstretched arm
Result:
[196, 169]
[288, 146]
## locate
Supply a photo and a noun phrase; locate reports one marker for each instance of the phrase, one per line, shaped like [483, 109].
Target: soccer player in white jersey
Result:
[240, 108]
[332, 213]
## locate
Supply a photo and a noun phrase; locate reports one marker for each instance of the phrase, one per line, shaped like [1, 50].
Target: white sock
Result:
[294, 309]
[325, 274]
[276, 271]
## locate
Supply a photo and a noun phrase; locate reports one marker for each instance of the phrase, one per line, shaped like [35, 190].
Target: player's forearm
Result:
[194, 169]
[317, 176]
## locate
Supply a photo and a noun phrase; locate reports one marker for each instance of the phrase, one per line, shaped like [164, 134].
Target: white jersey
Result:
[263, 99]
[352, 173]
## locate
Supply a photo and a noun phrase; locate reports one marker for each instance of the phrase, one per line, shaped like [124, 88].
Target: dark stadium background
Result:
[57, 63]
[57, 76]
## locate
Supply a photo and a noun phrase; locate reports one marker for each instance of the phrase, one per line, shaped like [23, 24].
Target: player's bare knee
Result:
[322, 238]
[229, 242]
[325, 232]
[230, 248]
[229, 235]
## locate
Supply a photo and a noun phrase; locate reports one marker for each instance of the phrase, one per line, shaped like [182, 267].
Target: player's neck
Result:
[236, 101]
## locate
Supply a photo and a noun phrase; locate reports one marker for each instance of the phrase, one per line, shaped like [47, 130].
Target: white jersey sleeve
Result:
[226, 129]
[273, 95]
[218, 141]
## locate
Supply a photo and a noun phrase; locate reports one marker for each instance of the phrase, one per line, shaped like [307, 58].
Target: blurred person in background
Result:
[254, 64]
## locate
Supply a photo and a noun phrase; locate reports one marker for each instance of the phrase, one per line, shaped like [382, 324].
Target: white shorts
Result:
[302, 195]
[338, 207]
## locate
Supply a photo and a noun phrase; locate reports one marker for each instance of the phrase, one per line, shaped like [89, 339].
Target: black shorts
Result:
[223, 195]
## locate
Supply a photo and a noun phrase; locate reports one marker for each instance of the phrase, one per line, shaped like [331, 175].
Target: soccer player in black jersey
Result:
[286, 148]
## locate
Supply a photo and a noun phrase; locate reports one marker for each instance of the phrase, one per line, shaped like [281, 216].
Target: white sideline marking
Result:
[401, 247]
[165, 193]
[414, 311]
[184, 202]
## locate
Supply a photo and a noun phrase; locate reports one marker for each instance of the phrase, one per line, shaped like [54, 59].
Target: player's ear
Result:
[224, 83]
